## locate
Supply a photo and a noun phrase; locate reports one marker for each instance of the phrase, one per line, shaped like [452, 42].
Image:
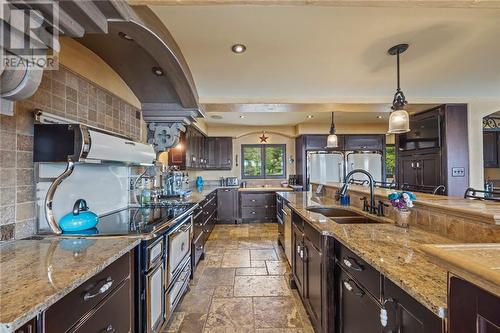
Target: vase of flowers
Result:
[402, 202]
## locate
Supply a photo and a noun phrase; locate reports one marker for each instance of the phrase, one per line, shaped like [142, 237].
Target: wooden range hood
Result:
[101, 27]
[166, 98]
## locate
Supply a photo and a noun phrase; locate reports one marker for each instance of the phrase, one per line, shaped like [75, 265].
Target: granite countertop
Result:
[197, 196]
[394, 251]
[34, 274]
[487, 211]
[477, 263]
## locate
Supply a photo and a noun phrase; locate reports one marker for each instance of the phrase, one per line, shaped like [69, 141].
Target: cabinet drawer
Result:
[113, 315]
[29, 327]
[313, 235]
[252, 200]
[359, 269]
[253, 212]
[87, 296]
[198, 248]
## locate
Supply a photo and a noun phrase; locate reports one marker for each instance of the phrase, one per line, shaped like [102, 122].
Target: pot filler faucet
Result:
[371, 208]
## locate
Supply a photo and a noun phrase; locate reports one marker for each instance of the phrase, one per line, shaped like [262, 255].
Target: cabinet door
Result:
[227, 205]
[472, 309]
[155, 300]
[407, 171]
[429, 170]
[297, 255]
[490, 149]
[177, 154]
[316, 142]
[29, 327]
[313, 282]
[411, 316]
[211, 153]
[225, 153]
[364, 142]
[359, 312]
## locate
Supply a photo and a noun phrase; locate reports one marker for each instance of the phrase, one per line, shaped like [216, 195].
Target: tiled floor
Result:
[241, 286]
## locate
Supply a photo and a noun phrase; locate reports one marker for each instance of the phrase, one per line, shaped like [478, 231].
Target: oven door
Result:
[179, 247]
[155, 303]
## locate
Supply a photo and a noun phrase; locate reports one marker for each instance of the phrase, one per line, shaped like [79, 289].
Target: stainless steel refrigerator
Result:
[324, 166]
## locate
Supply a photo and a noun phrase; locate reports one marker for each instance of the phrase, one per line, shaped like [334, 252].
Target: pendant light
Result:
[399, 120]
[332, 140]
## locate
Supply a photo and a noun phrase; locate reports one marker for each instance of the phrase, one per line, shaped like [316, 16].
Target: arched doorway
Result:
[491, 150]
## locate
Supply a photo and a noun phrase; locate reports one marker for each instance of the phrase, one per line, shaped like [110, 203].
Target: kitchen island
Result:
[36, 274]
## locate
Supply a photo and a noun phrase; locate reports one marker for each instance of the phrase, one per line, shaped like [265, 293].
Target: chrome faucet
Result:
[371, 208]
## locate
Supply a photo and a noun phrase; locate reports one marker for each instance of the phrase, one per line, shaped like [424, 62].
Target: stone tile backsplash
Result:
[65, 94]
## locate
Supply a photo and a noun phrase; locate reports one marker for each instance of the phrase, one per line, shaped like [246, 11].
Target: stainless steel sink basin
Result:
[353, 220]
[333, 212]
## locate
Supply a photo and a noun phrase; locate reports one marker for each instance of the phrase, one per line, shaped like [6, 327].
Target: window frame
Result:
[262, 148]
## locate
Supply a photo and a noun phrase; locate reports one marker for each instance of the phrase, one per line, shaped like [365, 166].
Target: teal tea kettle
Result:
[79, 219]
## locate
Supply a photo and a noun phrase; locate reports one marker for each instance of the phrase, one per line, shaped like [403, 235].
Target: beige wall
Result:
[251, 136]
[86, 63]
[476, 111]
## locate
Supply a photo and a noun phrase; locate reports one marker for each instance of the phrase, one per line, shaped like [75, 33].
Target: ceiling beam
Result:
[492, 4]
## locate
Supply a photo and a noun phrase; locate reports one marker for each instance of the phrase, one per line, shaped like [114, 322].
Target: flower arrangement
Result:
[402, 200]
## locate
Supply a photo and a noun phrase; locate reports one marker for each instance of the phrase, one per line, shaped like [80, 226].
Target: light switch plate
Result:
[458, 172]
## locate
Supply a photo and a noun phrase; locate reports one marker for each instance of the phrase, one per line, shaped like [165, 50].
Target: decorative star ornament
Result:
[263, 138]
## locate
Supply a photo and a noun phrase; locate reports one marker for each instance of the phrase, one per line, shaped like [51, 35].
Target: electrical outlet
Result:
[458, 172]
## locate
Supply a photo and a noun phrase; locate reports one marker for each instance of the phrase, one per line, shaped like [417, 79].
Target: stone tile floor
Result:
[241, 286]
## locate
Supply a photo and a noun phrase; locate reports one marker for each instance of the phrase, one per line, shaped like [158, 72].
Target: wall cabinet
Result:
[426, 159]
[196, 151]
[491, 149]
[471, 309]
[228, 206]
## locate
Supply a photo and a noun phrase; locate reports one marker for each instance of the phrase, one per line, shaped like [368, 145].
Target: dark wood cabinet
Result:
[105, 301]
[309, 274]
[204, 219]
[422, 171]
[491, 148]
[227, 205]
[364, 142]
[428, 161]
[198, 152]
[407, 313]
[258, 206]
[471, 309]
[358, 311]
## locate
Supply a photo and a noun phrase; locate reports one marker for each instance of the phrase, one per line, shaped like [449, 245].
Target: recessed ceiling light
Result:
[242, 117]
[216, 116]
[379, 117]
[310, 116]
[238, 48]
[157, 71]
[125, 36]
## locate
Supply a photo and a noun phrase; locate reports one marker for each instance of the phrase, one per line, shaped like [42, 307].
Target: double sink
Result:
[342, 216]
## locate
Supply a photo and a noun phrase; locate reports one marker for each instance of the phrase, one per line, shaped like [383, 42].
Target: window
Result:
[263, 161]
[390, 160]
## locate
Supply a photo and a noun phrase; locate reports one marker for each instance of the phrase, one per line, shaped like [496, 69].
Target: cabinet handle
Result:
[106, 284]
[109, 329]
[413, 164]
[418, 165]
[253, 200]
[352, 264]
[383, 317]
[353, 289]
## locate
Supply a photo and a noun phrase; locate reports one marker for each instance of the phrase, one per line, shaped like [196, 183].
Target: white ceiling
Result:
[335, 54]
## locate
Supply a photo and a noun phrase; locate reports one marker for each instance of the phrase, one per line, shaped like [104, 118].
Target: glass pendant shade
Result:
[399, 122]
[332, 141]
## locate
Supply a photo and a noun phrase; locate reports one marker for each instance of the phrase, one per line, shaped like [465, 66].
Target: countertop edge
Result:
[480, 278]
[18, 322]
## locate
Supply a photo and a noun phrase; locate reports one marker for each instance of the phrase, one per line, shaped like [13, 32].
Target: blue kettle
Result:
[79, 219]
